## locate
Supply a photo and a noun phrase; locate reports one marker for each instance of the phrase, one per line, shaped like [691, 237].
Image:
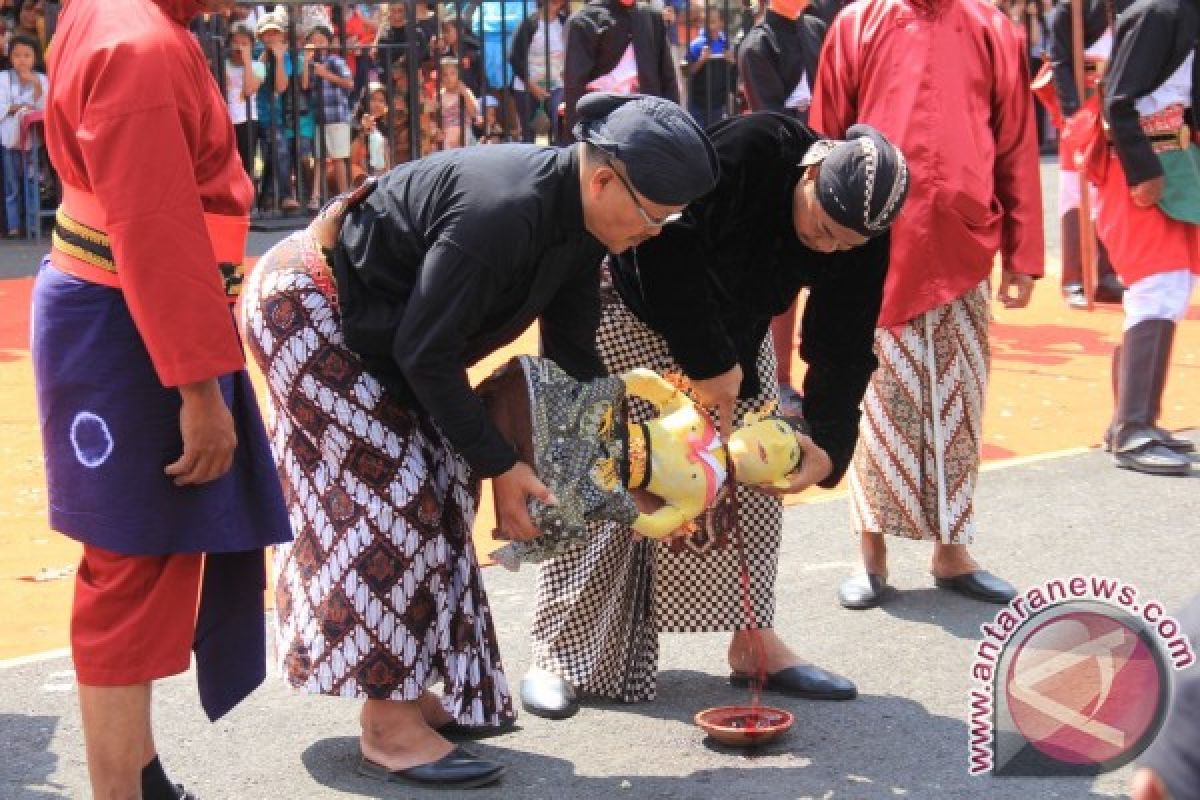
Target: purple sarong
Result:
[109, 428]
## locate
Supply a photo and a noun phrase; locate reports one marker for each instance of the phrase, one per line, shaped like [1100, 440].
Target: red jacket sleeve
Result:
[1017, 175]
[139, 143]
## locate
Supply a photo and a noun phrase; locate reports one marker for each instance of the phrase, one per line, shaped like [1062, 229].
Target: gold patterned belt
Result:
[639, 456]
[1166, 129]
[93, 247]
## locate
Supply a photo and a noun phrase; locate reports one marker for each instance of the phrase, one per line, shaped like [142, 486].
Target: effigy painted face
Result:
[765, 451]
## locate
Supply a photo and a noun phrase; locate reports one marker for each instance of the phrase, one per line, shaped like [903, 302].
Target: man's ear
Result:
[599, 176]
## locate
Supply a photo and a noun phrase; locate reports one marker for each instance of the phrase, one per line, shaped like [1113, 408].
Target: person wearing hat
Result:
[277, 111]
[366, 324]
[791, 211]
[972, 141]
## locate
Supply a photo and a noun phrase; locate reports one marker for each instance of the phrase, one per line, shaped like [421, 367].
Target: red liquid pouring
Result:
[760, 654]
[743, 726]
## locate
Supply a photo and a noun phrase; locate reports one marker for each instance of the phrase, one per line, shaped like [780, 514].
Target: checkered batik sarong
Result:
[917, 461]
[600, 608]
[380, 595]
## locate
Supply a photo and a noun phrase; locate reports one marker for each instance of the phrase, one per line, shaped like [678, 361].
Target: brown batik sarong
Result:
[918, 454]
[380, 595]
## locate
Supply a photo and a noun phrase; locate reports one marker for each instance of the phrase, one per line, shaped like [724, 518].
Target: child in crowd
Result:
[276, 112]
[369, 155]
[240, 88]
[492, 131]
[430, 135]
[21, 90]
[330, 81]
[31, 22]
[459, 107]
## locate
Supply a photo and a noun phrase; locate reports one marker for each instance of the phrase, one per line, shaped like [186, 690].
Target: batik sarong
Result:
[918, 456]
[380, 596]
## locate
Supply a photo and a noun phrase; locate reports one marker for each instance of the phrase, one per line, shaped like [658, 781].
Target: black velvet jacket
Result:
[452, 257]
[1152, 39]
[711, 283]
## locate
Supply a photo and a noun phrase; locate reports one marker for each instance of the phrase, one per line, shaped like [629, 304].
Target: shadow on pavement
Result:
[25, 749]
[531, 776]
[957, 615]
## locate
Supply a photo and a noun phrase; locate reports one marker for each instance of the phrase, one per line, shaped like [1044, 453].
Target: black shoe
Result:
[1164, 437]
[1074, 295]
[804, 680]
[545, 694]
[979, 585]
[1137, 441]
[1153, 458]
[862, 591]
[1109, 289]
[1173, 442]
[458, 769]
[453, 730]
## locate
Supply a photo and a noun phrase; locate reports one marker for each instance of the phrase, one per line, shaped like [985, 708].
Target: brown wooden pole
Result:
[1087, 234]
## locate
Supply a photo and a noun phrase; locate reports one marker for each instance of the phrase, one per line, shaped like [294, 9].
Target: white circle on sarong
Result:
[91, 440]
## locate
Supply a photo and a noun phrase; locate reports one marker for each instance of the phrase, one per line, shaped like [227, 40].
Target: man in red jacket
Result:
[156, 458]
[968, 131]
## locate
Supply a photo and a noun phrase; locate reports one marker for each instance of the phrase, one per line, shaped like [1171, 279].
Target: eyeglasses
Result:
[651, 222]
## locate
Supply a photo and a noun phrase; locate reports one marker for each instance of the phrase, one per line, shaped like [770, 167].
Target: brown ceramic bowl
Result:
[745, 726]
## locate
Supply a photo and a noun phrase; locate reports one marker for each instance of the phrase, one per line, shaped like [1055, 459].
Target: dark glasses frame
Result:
[651, 222]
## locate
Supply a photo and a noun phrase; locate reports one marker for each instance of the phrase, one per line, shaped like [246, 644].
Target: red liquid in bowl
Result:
[743, 725]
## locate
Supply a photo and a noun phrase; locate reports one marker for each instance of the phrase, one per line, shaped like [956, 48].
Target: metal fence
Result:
[403, 100]
[400, 96]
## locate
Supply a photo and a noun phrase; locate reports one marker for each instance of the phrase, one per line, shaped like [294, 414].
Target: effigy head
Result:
[765, 450]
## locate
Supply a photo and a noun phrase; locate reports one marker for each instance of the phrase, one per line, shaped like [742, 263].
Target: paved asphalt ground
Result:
[904, 737]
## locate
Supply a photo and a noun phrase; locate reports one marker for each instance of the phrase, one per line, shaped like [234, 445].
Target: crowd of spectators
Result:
[383, 94]
[344, 90]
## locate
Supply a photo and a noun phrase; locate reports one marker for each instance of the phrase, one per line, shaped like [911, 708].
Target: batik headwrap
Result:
[863, 179]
